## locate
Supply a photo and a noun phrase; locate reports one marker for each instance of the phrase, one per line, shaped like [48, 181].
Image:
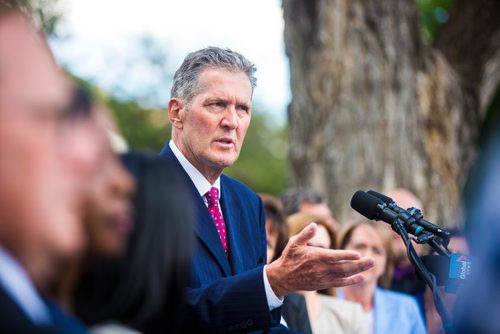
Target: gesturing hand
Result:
[302, 267]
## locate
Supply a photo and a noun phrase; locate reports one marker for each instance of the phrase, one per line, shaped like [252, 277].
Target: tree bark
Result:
[373, 107]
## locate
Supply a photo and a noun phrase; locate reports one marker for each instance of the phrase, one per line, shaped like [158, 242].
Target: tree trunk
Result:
[373, 107]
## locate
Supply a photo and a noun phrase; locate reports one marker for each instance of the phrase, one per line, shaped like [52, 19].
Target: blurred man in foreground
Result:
[48, 150]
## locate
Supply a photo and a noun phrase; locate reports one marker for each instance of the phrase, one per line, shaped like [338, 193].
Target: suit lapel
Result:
[232, 218]
[204, 227]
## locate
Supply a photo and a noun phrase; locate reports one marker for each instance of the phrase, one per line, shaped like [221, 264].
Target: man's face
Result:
[210, 131]
[43, 162]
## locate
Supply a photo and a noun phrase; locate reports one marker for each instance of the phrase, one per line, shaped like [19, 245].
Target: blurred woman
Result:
[106, 208]
[327, 314]
[276, 228]
[144, 288]
[384, 311]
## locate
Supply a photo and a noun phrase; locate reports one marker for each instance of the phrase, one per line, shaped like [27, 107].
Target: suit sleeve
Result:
[232, 304]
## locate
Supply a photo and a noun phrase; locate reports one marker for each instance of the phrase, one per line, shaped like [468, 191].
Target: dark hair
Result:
[293, 198]
[20, 6]
[275, 221]
[145, 287]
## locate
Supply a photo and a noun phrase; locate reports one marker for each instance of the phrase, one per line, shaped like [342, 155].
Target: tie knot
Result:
[212, 196]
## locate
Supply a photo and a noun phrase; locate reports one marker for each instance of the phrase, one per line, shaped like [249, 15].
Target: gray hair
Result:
[186, 78]
[17, 6]
[293, 198]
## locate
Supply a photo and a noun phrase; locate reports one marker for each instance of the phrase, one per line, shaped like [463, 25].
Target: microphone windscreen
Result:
[385, 199]
[365, 204]
[439, 266]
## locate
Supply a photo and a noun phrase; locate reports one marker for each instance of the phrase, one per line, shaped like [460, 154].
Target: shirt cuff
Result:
[272, 300]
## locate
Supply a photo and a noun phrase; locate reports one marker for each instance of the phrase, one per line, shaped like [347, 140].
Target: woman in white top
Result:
[327, 314]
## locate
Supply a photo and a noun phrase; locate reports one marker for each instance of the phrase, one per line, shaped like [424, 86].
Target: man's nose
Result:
[230, 118]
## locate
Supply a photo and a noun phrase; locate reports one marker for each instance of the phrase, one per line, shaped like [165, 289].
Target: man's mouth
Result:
[225, 141]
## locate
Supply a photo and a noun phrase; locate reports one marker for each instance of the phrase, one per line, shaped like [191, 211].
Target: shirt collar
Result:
[200, 182]
[19, 287]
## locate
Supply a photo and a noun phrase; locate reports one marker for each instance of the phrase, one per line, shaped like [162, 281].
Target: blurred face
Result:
[458, 244]
[44, 159]
[405, 199]
[321, 238]
[366, 241]
[210, 130]
[320, 210]
[108, 210]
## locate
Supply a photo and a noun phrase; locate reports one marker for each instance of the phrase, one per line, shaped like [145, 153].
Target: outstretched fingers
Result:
[304, 236]
[345, 269]
[341, 282]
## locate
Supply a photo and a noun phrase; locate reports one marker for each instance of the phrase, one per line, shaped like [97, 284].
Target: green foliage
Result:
[146, 129]
[262, 162]
[433, 13]
[47, 14]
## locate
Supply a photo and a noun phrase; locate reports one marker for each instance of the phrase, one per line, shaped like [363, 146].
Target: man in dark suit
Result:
[46, 155]
[232, 289]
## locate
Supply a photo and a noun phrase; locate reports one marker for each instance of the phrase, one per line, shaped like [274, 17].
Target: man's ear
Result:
[174, 112]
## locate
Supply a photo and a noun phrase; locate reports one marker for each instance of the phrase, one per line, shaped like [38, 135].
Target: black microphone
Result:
[415, 213]
[374, 208]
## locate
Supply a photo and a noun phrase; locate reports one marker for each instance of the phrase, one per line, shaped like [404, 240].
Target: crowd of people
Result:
[95, 239]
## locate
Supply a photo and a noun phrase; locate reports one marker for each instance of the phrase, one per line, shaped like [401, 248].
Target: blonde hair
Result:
[345, 236]
[298, 221]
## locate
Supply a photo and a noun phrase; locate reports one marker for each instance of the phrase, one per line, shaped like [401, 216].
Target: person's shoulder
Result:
[339, 303]
[397, 297]
[347, 315]
[113, 328]
[238, 186]
[294, 299]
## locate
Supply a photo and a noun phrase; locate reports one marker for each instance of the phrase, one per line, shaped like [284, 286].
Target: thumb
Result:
[305, 235]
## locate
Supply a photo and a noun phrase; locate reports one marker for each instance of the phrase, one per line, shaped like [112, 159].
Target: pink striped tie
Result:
[212, 197]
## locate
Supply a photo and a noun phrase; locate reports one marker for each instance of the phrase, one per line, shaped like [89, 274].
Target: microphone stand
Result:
[428, 277]
[440, 249]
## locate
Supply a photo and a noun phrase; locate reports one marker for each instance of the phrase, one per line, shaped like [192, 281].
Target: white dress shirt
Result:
[202, 185]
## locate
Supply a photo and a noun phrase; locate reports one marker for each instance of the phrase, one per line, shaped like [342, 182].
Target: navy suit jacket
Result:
[14, 320]
[226, 293]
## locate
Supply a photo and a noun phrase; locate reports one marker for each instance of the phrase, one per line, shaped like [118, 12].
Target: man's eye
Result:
[243, 108]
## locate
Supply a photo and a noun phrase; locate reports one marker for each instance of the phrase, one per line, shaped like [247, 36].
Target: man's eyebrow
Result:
[216, 99]
[244, 104]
